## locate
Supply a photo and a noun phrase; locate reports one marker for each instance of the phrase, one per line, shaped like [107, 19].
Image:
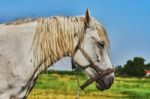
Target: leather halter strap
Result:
[100, 73]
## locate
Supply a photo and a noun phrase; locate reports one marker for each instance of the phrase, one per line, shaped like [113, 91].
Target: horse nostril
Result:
[104, 83]
[100, 86]
[98, 60]
[111, 79]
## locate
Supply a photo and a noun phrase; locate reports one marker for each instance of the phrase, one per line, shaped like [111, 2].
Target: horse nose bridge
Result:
[107, 61]
[104, 66]
[112, 74]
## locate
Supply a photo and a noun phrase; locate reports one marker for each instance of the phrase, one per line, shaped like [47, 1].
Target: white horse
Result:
[29, 47]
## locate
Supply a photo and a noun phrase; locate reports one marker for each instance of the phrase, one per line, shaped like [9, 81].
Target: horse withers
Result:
[29, 47]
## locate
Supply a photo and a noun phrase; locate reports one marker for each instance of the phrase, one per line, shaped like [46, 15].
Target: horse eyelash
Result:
[101, 44]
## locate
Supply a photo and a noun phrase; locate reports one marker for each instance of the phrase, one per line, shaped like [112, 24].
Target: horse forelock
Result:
[103, 35]
[54, 37]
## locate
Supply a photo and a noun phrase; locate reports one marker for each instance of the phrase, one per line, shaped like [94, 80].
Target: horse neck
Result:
[57, 41]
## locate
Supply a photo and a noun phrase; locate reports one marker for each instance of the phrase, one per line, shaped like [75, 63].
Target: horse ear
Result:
[87, 17]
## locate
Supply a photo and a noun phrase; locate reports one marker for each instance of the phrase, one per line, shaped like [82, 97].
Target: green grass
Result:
[63, 85]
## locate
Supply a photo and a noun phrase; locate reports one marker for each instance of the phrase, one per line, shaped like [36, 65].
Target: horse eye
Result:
[100, 44]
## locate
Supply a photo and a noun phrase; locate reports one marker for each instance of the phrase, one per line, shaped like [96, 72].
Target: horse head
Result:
[94, 44]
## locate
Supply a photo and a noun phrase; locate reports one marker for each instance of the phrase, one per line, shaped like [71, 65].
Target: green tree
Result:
[119, 70]
[147, 66]
[138, 61]
[135, 67]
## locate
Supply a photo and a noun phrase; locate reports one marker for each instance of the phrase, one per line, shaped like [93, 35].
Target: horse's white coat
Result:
[16, 64]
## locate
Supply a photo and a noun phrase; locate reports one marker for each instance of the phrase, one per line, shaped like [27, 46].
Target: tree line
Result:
[133, 68]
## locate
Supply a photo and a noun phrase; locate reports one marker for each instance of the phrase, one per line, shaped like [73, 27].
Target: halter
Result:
[100, 73]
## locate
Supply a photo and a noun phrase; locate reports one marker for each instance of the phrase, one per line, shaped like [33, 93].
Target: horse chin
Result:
[104, 83]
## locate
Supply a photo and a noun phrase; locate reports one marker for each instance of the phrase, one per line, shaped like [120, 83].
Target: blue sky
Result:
[126, 21]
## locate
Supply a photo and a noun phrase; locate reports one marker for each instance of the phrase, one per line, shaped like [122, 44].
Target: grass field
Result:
[63, 85]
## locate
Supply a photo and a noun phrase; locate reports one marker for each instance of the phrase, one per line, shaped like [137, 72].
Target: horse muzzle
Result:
[104, 83]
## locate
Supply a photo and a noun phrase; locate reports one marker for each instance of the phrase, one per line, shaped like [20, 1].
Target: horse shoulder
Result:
[16, 65]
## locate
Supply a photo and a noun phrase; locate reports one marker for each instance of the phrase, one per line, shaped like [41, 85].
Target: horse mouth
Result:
[104, 83]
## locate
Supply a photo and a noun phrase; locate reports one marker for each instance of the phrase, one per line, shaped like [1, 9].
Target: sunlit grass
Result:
[64, 86]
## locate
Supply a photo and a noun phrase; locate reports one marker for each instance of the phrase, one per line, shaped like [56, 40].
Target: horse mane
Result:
[54, 37]
[20, 21]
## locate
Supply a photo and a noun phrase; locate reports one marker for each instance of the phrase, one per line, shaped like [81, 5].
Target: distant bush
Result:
[133, 68]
